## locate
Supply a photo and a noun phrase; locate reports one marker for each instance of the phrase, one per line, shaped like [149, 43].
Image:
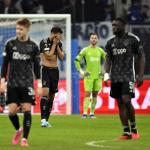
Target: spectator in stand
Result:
[134, 13]
[8, 7]
[30, 6]
[144, 14]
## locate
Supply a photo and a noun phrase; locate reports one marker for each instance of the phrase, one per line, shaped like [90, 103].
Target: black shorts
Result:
[20, 95]
[122, 88]
[50, 77]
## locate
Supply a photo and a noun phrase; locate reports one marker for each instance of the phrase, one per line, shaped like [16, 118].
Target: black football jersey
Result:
[23, 62]
[121, 51]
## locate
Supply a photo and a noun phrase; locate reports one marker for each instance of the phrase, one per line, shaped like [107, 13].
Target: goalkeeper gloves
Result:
[84, 73]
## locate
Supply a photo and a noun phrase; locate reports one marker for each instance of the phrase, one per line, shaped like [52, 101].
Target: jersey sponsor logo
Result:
[94, 58]
[18, 56]
[117, 51]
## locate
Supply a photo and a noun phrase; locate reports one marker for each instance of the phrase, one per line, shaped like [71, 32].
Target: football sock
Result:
[93, 104]
[49, 108]
[43, 104]
[126, 129]
[15, 120]
[133, 127]
[86, 105]
[26, 124]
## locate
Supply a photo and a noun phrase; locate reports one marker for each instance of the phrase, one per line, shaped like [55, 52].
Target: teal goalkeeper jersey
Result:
[93, 57]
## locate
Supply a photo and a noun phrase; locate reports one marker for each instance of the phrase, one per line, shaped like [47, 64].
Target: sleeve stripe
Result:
[131, 34]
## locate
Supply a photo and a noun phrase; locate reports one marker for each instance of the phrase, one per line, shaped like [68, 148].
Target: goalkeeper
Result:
[93, 56]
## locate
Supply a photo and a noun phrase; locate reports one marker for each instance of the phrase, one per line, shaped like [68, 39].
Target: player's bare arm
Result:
[141, 65]
[60, 53]
[4, 71]
[107, 69]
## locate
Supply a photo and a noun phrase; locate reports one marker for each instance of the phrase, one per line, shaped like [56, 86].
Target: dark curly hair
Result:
[56, 30]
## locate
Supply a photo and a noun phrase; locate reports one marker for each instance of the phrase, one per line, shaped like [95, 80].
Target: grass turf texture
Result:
[72, 133]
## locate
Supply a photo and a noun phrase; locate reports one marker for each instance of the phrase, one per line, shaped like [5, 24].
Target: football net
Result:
[41, 26]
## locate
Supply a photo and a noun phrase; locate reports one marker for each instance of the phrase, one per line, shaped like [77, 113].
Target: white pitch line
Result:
[104, 144]
[101, 144]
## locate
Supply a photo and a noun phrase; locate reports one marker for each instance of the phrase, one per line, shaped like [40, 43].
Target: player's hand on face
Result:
[56, 40]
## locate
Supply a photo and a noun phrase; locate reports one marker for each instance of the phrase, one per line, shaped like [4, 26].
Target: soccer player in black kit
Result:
[121, 51]
[21, 59]
[51, 50]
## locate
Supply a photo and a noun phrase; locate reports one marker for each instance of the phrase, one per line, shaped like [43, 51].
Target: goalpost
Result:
[41, 25]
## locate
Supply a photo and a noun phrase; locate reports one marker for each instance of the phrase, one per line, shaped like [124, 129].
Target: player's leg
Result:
[128, 93]
[12, 101]
[26, 100]
[13, 108]
[116, 92]
[49, 107]
[96, 87]
[93, 104]
[88, 86]
[124, 120]
[53, 88]
[44, 98]
[43, 105]
[13, 115]
[27, 120]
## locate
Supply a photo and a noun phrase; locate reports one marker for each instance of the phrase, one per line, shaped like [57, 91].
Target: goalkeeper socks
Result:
[15, 120]
[86, 104]
[49, 108]
[93, 104]
[43, 104]
[26, 124]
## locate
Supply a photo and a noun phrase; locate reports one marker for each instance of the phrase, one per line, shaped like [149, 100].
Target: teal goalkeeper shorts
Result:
[92, 84]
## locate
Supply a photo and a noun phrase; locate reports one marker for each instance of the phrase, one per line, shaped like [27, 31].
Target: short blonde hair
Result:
[24, 22]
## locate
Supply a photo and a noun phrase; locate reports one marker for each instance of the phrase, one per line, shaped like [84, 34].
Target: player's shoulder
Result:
[10, 41]
[100, 48]
[111, 38]
[44, 40]
[84, 49]
[133, 36]
[33, 42]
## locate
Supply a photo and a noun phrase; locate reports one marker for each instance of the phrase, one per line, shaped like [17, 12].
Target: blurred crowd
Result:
[137, 11]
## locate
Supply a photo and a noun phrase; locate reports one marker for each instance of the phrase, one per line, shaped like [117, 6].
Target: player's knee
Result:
[126, 99]
[87, 94]
[45, 92]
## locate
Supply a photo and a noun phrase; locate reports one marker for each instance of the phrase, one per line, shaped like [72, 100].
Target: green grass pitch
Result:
[70, 132]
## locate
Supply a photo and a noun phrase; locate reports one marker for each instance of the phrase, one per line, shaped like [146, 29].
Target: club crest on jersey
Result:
[119, 51]
[14, 48]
